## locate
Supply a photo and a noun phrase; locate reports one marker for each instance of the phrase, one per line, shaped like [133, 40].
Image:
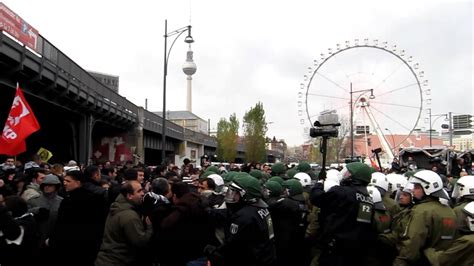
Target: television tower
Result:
[189, 68]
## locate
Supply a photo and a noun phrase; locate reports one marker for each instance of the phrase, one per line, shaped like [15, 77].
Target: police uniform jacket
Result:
[249, 237]
[431, 224]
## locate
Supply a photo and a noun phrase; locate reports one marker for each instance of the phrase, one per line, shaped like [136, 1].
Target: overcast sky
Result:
[250, 51]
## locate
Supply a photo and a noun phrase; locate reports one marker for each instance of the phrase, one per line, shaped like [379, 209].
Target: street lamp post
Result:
[167, 52]
[431, 123]
[352, 114]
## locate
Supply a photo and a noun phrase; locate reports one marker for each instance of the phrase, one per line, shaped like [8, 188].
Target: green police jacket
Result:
[392, 206]
[398, 227]
[460, 253]
[461, 216]
[430, 225]
[382, 221]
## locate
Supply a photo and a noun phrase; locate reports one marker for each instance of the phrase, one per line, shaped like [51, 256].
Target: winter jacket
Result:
[78, 232]
[32, 191]
[185, 231]
[19, 243]
[51, 204]
[124, 235]
[461, 252]
[431, 225]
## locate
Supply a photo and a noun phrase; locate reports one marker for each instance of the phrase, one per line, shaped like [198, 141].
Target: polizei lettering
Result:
[363, 198]
[263, 213]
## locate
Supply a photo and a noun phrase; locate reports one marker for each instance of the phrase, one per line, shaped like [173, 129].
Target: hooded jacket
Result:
[51, 204]
[32, 191]
[124, 235]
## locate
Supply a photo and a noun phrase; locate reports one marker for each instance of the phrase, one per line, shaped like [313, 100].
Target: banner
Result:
[21, 123]
[44, 154]
[18, 28]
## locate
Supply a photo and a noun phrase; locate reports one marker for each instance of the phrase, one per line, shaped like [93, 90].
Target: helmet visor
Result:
[470, 223]
[232, 196]
[456, 191]
[233, 193]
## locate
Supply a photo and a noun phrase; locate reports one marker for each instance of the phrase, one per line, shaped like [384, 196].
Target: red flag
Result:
[21, 123]
[374, 164]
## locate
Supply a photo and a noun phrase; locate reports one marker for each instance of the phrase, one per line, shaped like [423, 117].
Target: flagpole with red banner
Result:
[20, 124]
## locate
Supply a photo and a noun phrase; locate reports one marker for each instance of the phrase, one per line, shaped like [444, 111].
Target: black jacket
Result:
[23, 227]
[185, 231]
[79, 228]
[347, 229]
[289, 224]
[248, 236]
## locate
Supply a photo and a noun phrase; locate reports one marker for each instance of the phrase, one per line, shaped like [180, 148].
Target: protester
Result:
[125, 232]
[80, 224]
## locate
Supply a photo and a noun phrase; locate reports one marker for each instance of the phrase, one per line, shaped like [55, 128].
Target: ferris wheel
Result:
[372, 85]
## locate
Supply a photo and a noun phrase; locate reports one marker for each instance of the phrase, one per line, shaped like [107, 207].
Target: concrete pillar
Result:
[85, 138]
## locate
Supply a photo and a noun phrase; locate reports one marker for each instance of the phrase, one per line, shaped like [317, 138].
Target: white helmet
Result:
[469, 211]
[464, 187]
[396, 181]
[430, 182]
[333, 174]
[304, 179]
[333, 178]
[379, 180]
[217, 179]
[376, 197]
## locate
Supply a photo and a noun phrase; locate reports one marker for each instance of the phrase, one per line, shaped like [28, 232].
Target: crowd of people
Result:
[254, 214]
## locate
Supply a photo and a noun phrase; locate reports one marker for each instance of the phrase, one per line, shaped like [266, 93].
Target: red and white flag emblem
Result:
[21, 123]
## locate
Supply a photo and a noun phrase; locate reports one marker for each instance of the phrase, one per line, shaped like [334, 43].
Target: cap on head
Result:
[250, 184]
[304, 167]
[360, 172]
[294, 187]
[256, 173]
[278, 168]
[275, 189]
[277, 179]
[291, 172]
[213, 169]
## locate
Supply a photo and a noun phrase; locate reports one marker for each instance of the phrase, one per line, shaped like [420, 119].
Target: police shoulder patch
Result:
[234, 228]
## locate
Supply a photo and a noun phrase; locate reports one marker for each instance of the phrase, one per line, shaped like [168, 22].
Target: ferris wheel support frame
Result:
[378, 131]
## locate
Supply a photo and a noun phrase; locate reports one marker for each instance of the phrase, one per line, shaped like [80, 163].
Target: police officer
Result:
[348, 213]
[248, 226]
[297, 251]
[461, 251]
[379, 255]
[380, 181]
[279, 169]
[464, 193]
[431, 224]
